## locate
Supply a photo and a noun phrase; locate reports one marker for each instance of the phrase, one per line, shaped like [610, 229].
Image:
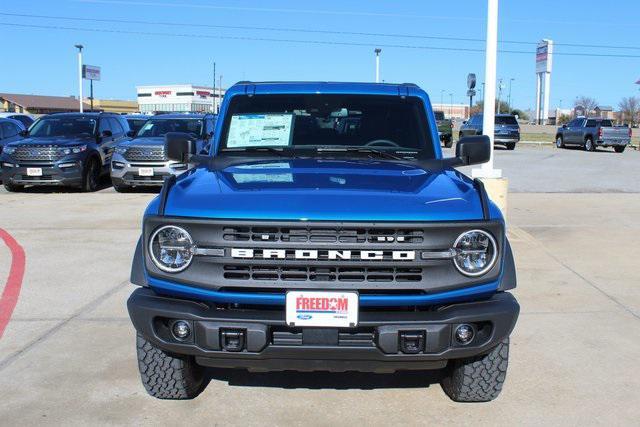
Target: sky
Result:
[178, 41]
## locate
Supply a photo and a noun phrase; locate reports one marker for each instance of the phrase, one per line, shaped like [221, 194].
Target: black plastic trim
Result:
[484, 198]
[164, 193]
[137, 266]
[508, 280]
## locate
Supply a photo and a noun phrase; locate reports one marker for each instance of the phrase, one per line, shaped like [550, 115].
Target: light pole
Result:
[213, 91]
[80, 47]
[450, 105]
[488, 120]
[377, 51]
[219, 88]
[499, 93]
[442, 99]
[510, 82]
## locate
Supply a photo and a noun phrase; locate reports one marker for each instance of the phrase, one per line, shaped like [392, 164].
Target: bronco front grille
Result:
[322, 235]
[37, 153]
[145, 154]
[322, 274]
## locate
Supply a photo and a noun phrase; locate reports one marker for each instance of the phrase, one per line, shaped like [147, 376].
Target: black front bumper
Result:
[375, 345]
[52, 174]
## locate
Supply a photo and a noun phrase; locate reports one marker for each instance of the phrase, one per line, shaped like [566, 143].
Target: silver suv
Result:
[141, 161]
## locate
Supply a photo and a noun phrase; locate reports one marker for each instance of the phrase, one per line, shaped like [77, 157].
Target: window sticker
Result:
[260, 130]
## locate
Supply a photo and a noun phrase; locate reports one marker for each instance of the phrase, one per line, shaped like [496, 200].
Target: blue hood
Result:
[144, 142]
[324, 190]
[55, 140]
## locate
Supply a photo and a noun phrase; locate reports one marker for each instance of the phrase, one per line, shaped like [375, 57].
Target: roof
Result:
[604, 108]
[178, 116]
[42, 102]
[325, 88]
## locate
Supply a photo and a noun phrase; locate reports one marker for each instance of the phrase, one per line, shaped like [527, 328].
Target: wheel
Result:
[589, 145]
[480, 378]
[168, 377]
[620, 148]
[91, 176]
[559, 142]
[511, 145]
[12, 188]
[460, 135]
[121, 188]
[448, 142]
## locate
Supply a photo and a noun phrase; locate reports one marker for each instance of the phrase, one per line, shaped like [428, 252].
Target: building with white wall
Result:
[179, 98]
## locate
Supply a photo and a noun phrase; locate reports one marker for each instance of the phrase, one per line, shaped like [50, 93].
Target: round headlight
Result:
[171, 248]
[476, 252]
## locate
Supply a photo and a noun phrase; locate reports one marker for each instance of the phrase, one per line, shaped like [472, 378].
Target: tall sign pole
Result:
[544, 62]
[489, 92]
[214, 103]
[377, 51]
[79, 47]
[471, 84]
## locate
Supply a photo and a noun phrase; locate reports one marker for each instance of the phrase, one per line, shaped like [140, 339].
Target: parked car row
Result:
[78, 149]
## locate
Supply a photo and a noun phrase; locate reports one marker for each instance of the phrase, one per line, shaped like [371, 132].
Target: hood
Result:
[54, 140]
[144, 142]
[324, 190]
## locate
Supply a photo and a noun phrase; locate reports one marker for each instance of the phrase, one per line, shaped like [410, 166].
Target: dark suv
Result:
[506, 132]
[66, 149]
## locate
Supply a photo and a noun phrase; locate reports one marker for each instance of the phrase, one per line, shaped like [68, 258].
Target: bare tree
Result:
[585, 103]
[630, 109]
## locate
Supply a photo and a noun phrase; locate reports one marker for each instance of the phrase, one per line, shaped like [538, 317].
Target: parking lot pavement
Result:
[68, 355]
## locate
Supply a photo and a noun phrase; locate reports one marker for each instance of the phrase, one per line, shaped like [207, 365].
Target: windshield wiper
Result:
[365, 150]
[271, 150]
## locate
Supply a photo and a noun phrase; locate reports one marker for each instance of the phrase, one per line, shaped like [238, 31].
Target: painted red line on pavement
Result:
[11, 292]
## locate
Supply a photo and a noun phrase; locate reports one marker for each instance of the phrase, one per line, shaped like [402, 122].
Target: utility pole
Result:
[219, 87]
[442, 99]
[510, 82]
[450, 105]
[214, 104]
[488, 120]
[377, 51]
[79, 47]
[499, 93]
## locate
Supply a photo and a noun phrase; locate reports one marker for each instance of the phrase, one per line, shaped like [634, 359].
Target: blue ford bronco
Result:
[324, 232]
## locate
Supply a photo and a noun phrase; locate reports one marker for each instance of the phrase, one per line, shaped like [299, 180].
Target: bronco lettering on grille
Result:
[314, 254]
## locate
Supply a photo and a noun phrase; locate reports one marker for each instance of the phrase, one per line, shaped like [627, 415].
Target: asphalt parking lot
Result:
[67, 355]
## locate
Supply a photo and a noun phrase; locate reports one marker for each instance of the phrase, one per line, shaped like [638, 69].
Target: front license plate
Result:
[322, 309]
[34, 171]
[145, 171]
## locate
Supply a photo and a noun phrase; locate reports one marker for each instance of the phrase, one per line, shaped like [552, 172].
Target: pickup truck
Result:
[445, 129]
[593, 132]
[324, 231]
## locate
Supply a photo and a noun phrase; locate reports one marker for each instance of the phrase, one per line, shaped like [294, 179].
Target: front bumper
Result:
[506, 139]
[125, 172]
[372, 346]
[52, 173]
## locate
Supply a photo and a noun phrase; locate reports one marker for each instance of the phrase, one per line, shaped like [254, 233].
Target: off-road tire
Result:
[511, 145]
[480, 378]
[13, 188]
[620, 149]
[166, 376]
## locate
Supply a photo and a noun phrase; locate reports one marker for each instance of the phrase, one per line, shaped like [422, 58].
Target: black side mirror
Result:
[24, 133]
[471, 150]
[131, 133]
[564, 126]
[179, 146]
[107, 133]
[464, 122]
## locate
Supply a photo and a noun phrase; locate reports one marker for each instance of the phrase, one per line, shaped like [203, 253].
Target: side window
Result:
[209, 126]
[104, 125]
[124, 124]
[591, 123]
[115, 127]
[9, 129]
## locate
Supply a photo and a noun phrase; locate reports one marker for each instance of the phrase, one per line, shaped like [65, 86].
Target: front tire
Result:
[589, 145]
[480, 378]
[511, 146]
[559, 142]
[91, 176]
[13, 188]
[166, 376]
[620, 149]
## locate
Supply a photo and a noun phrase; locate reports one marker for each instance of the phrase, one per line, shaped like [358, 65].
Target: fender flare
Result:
[508, 279]
[138, 276]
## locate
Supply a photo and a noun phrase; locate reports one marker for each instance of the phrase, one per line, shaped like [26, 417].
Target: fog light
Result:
[181, 330]
[464, 334]
[67, 165]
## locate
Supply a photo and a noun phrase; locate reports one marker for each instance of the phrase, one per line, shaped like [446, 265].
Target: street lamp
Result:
[80, 47]
[377, 51]
[510, 82]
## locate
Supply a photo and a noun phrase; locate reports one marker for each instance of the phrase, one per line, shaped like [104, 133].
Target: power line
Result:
[301, 41]
[308, 31]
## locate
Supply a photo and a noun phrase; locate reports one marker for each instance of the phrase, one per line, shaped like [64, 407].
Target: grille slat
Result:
[37, 153]
[315, 274]
[324, 235]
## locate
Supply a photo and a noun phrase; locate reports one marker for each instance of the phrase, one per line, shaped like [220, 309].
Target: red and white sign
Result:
[203, 93]
[322, 309]
[162, 93]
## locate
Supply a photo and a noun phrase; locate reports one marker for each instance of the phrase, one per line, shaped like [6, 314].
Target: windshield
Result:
[63, 126]
[364, 122]
[160, 127]
[136, 124]
[506, 120]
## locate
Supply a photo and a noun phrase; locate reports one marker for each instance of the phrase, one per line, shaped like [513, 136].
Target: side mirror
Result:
[564, 126]
[464, 122]
[106, 133]
[24, 133]
[179, 146]
[471, 150]
[131, 133]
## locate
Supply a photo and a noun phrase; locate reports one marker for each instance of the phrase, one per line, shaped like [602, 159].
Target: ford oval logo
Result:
[304, 316]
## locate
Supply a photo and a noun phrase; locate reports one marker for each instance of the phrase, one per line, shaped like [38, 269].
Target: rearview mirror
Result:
[471, 150]
[179, 146]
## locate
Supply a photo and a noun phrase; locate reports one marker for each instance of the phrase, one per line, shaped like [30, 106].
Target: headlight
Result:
[74, 150]
[476, 252]
[9, 150]
[121, 150]
[171, 248]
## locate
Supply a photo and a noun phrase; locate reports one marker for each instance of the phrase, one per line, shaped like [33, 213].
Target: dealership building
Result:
[179, 98]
